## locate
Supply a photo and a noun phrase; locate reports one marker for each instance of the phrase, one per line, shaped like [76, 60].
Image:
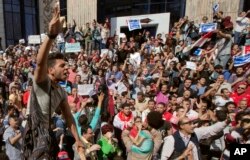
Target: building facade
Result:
[20, 18]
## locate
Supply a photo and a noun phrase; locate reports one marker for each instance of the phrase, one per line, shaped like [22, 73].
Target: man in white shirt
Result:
[151, 107]
[220, 101]
[185, 142]
[241, 22]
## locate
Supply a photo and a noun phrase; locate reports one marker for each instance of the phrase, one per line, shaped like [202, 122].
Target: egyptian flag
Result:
[199, 43]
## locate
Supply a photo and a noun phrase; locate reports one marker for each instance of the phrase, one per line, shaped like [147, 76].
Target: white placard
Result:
[85, 89]
[191, 65]
[135, 59]
[34, 39]
[73, 47]
[43, 36]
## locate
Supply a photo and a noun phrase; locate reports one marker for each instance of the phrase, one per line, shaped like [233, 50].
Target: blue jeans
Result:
[61, 47]
[237, 37]
[222, 60]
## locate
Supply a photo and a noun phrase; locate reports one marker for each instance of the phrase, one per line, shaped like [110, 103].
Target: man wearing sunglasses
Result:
[241, 93]
[185, 142]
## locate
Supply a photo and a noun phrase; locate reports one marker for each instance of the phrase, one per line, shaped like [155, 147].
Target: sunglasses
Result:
[241, 88]
[246, 120]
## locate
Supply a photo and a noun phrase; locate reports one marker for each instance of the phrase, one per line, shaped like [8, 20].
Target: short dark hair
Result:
[223, 89]
[125, 105]
[239, 116]
[221, 115]
[53, 57]
[229, 103]
[178, 108]
[84, 129]
[218, 67]
[155, 120]
[83, 120]
[151, 100]
[172, 96]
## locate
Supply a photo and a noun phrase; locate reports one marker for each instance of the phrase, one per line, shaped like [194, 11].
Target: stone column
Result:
[45, 14]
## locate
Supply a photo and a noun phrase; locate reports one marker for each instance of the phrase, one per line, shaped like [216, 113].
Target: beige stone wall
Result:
[2, 32]
[82, 11]
[196, 9]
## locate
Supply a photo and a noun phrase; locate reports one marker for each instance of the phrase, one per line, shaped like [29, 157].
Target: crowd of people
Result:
[154, 108]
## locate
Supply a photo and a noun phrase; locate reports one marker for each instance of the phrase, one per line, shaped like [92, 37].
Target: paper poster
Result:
[207, 27]
[191, 65]
[73, 47]
[135, 59]
[85, 89]
[21, 41]
[43, 36]
[104, 52]
[198, 52]
[216, 7]
[134, 24]
[34, 39]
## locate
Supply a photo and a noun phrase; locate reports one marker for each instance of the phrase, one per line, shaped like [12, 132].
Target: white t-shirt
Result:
[220, 102]
[241, 24]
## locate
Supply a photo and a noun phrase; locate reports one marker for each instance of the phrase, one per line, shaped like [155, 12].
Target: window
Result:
[20, 19]
[63, 7]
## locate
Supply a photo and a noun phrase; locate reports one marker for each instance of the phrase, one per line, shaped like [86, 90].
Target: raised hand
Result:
[55, 24]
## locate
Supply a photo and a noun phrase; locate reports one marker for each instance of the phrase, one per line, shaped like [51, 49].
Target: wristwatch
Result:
[51, 36]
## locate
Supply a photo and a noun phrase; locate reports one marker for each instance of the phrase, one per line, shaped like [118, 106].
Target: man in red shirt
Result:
[241, 93]
[161, 108]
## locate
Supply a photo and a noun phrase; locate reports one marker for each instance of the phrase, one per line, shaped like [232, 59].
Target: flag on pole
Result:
[199, 43]
[244, 58]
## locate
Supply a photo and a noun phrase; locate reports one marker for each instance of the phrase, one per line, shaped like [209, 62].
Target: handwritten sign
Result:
[72, 47]
[134, 24]
[191, 65]
[85, 89]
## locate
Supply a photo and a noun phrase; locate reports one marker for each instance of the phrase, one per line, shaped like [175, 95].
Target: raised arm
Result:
[42, 57]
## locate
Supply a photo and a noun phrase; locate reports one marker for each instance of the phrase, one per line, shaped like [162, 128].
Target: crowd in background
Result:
[155, 109]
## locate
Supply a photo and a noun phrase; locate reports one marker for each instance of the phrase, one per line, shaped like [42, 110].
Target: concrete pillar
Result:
[2, 28]
[45, 14]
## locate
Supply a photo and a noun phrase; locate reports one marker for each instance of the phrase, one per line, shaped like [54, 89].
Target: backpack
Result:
[39, 142]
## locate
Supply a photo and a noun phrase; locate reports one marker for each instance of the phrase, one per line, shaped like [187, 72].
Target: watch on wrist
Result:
[51, 36]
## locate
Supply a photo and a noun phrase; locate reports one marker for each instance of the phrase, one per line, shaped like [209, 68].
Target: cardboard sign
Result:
[85, 89]
[134, 24]
[191, 65]
[207, 27]
[34, 39]
[73, 47]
